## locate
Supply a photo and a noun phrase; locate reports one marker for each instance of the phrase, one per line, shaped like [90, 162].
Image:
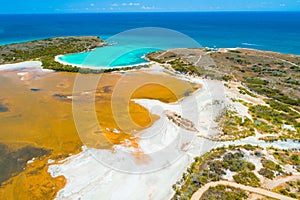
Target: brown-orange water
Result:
[44, 119]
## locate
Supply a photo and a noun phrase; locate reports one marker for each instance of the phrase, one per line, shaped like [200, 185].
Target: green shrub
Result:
[257, 81]
[235, 162]
[224, 192]
[245, 91]
[266, 173]
[271, 165]
[227, 77]
[247, 178]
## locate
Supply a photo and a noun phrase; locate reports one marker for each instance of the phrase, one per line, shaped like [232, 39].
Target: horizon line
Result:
[152, 11]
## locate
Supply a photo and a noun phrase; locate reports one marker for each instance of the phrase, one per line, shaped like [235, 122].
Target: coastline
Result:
[220, 120]
[75, 187]
[57, 59]
[103, 44]
[96, 67]
[33, 64]
[259, 50]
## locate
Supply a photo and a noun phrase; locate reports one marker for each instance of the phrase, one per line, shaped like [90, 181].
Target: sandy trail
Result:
[197, 195]
[270, 184]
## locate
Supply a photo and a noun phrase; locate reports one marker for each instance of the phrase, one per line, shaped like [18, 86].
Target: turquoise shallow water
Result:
[130, 47]
[100, 57]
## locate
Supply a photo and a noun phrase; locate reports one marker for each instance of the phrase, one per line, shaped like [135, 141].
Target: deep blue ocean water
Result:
[274, 31]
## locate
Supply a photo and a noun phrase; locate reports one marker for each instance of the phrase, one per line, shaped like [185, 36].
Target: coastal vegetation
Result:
[270, 169]
[47, 48]
[183, 67]
[234, 51]
[224, 192]
[233, 126]
[213, 166]
[267, 173]
[245, 91]
[273, 119]
[272, 76]
[285, 157]
[290, 189]
[247, 178]
[260, 86]
[238, 162]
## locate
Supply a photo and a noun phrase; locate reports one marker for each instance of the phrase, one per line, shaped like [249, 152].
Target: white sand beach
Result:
[83, 65]
[21, 65]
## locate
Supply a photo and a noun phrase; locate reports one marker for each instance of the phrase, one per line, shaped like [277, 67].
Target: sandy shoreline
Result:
[93, 67]
[38, 65]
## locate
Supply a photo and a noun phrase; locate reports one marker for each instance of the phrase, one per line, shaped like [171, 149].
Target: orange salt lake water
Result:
[39, 116]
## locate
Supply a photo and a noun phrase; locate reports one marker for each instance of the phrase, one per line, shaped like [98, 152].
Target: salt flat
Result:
[165, 151]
